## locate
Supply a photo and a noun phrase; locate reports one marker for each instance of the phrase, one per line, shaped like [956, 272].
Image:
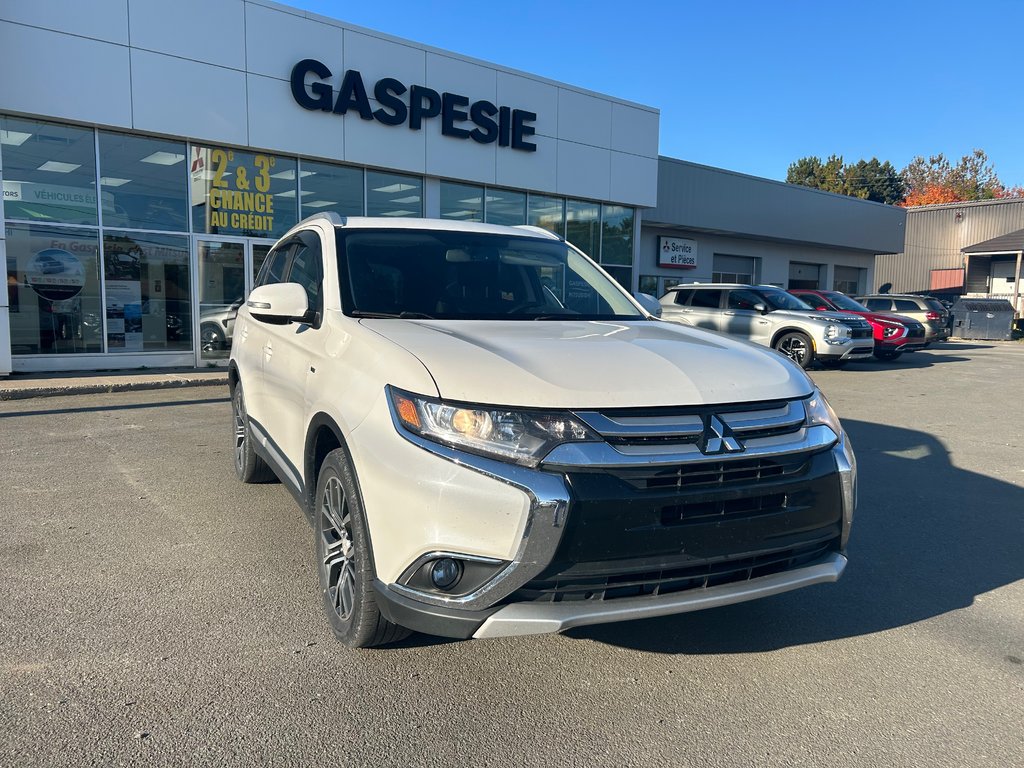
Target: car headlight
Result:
[833, 331]
[820, 412]
[521, 436]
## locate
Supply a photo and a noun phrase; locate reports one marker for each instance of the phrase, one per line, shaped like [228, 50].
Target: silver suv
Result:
[771, 316]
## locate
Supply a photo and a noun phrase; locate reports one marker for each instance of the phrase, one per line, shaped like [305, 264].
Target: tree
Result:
[936, 180]
[865, 179]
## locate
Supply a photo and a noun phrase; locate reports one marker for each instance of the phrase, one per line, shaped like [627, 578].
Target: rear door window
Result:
[706, 299]
[878, 305]
[907, 305]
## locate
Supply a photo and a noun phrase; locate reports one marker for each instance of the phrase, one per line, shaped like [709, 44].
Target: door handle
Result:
[686, 310]
[729, 313]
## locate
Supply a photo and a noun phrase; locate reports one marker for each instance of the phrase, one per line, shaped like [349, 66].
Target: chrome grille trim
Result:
[604, 455]
[792, 414]
[689, 425]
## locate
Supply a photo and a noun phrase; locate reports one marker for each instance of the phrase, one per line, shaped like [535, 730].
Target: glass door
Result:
[225, 270]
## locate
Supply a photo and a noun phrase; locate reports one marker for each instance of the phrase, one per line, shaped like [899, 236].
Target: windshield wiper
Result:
[391, 315]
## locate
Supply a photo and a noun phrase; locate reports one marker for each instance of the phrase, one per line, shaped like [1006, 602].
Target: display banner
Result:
[235, 192]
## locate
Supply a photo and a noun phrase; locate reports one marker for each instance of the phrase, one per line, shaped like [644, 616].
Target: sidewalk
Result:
[20, 386]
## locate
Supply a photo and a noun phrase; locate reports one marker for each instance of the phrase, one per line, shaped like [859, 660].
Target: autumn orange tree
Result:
[936, 180]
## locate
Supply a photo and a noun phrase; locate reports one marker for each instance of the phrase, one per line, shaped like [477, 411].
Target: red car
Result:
[894, 334]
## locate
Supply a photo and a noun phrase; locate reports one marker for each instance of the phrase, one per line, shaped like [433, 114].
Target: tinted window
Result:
[936, 305]
[273, 267]
[143, 182]
[472, 276]
[743, 299]
[706, 299]
[683, 296]
[306, 269]
[878, 305]
[776, 298]
[907, 305]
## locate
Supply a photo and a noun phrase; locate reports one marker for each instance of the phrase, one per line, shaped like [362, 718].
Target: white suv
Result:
[493, 438]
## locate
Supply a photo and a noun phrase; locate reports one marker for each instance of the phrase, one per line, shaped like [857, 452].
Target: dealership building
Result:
[149, 166]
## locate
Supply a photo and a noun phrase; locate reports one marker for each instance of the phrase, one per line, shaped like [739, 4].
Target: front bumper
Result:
[582, 529]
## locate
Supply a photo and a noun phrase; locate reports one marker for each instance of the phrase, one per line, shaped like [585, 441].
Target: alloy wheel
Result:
[794, 347]
[338, 552]
[239, 418]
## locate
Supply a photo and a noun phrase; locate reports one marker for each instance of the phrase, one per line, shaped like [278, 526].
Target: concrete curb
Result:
[59, 389]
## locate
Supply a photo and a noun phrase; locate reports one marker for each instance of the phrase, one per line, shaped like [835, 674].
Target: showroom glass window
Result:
[144, 182]
[617, 243]
[148, 307]
[390, 194]
[49, 172]
[583, 226]
[327, 187]
[506, 207]
[53, 286]
[547, 213]
[462, 202]
[234, 192]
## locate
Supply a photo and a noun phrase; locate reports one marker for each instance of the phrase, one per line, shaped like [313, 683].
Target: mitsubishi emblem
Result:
[718, 438]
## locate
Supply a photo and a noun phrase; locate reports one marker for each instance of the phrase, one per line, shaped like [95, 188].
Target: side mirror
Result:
[649, 303]
[278, 303]
[761, 307]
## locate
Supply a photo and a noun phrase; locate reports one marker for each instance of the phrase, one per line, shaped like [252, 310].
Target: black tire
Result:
[249, 467]
[797, 347]
[835, 364]
[211, 338]
[887, 355]
[344, 558]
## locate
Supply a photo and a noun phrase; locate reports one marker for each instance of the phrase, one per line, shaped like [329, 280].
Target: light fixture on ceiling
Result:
[163, 158]
[406, 200]
[399, 187]
[289, 175]
[14, 138]
[112, 181]
[56, 167]
[319, 203]
[399, 213]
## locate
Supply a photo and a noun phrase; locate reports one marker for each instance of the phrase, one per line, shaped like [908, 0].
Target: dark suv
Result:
[925, 309]
[894, 334]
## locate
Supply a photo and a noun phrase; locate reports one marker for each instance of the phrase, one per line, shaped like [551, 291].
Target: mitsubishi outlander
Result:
[492, 438]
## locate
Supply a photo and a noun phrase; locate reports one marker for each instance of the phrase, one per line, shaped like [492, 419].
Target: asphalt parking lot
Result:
[154, 611]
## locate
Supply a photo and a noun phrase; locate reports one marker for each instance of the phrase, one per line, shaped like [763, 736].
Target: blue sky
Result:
[752, 86]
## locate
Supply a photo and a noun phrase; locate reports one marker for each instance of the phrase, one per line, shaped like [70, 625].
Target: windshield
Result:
[776, 298]
[842, 301]
[472, 276]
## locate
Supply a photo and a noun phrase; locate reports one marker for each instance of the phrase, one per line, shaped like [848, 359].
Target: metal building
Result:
[941, 246]
[716, 225]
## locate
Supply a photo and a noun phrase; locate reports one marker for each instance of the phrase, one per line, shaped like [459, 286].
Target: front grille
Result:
[671, 580]
[715, 474]
[860, 333]
[915, 332]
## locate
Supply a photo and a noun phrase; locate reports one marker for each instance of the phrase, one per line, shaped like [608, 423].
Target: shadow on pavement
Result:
[927, 539]
[123, 407]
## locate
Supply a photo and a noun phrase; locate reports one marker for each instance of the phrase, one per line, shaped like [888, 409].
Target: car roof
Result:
[688, 286]
[445, 225]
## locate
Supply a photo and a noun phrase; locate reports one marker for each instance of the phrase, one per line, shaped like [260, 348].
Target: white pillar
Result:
[1016, 287]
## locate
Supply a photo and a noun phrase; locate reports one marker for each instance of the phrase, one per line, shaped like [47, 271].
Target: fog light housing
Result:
[445, 573]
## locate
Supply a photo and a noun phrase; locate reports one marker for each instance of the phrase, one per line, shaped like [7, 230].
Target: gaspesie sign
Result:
[677, 252]
[480, 121]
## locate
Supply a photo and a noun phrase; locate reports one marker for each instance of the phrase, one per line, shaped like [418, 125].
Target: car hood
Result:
[592, 364]
[886, 318]
[809, 313]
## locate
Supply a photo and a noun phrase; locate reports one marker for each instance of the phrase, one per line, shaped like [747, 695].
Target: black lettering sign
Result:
[481, 121]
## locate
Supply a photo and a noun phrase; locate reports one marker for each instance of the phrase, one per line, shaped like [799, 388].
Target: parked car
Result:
[925, 309]
[768, 315]
[894, 334]
[216, 324]
[486, 453]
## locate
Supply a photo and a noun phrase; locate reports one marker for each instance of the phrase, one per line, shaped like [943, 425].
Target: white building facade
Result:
[151, 158]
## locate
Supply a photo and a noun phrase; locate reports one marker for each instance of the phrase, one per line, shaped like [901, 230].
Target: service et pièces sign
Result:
[677, 253]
